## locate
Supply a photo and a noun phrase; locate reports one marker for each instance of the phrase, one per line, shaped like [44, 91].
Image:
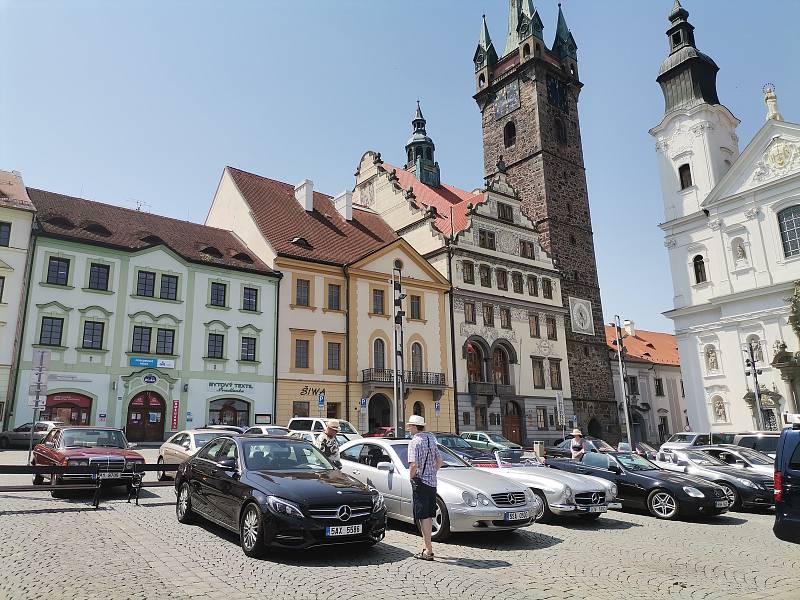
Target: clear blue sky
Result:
[148, 101]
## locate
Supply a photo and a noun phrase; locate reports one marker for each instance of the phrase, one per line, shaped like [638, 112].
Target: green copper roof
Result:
[485, 46]
[512, 39]
[564, 44]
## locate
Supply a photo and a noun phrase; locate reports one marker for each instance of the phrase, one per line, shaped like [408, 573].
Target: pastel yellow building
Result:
[336, 332]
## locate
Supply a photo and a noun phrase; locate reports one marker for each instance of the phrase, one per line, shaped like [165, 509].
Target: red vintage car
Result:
[380, 432]
[86, 446]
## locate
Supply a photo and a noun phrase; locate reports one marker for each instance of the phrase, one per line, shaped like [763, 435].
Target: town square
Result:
[487, 299]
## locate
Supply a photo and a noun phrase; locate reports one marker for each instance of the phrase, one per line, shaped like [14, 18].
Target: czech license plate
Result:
[598, 509]
[343, 530]
[722, 504]
[109, 475]
[517, 516]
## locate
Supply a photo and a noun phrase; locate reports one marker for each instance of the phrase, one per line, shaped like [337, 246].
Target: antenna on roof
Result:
[141, 204]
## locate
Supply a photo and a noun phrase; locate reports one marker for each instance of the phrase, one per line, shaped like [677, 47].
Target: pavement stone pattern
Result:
[62, 548]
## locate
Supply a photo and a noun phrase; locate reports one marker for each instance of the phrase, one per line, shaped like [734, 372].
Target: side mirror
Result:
[132, 445]
[186, 445]
[227, 464]
[614, 468]
[50, 444]
[385, 466]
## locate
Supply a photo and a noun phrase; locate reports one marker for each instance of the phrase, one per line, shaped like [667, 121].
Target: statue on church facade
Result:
[720, 414]
[711, 359]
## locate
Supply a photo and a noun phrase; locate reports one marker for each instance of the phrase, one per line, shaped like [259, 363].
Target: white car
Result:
[316, 425]
[561, 493]
[183, 445]
[267, 430]
[312, 437]
[467, 499]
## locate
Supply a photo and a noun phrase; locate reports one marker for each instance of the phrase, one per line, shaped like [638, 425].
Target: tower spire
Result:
[485, 54]
[564, 45]
[512, 38]
[420, 151]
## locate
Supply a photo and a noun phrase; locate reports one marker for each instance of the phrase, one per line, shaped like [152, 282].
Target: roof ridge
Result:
[274, 180]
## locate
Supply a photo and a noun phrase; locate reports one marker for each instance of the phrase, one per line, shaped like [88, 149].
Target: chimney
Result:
[629, 327]
[344, 204]
[304, 194]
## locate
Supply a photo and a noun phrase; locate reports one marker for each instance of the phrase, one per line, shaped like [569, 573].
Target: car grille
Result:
[333, 512]
[105, 464]
[509, 499]
[590, 498]
[768, 483]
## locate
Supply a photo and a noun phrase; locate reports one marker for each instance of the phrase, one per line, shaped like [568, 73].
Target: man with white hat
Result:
[578, 445]
[327, 443]
[424, 461]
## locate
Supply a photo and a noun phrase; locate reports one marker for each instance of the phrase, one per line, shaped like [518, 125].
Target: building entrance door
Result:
[512, 423]
[145, 421]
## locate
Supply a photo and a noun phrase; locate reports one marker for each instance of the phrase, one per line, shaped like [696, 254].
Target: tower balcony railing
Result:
[490, 389]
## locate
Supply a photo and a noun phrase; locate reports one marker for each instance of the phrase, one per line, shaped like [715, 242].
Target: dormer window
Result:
[243, 257]
[302, 242]
[152, 240]
[212, 252]
[61, 222]
[98, 229]
[685, 175]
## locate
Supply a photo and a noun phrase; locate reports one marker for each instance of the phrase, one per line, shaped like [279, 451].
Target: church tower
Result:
[528, 99]
[696, 140]
[420, 151]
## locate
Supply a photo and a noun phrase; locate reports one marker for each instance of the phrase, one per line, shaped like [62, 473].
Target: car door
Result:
[224, 487]
[199, 477]
[387, 483]
[20, 435]
[350, 461]
[167, 449]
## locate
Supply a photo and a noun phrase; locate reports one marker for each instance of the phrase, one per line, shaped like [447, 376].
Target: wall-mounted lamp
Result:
[113, 385]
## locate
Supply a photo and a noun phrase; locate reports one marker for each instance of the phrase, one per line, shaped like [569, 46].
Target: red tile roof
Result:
[331, 238]
[443, 199]
[646, 346]
[101, 224]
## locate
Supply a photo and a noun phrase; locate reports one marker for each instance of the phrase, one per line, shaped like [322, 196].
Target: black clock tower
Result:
[528, 98]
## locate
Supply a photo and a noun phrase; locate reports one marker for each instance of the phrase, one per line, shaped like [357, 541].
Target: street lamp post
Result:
[399, 364]
[751, 361]
[618, 331]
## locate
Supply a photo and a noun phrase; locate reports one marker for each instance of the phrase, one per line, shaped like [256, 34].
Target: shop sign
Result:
[101, 417]
[230, 386]
[152, 363]
[150, 379]
[176, 409]
[311, 391]
[265, 419]
[189, 417]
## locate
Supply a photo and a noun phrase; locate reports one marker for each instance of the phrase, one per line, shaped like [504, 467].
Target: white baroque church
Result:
[732, 230]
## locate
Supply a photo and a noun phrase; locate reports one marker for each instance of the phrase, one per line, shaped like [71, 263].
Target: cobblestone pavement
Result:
[62, 548]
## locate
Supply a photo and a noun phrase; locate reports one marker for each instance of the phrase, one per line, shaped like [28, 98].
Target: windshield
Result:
[496, 437]
[453, 441]
[702, 459]
[634, 462]
[345, 427]
[300, 424]
[94, 438]
[283, 455]
[681, 438]
[450, 459]
[757, 458]
[201, 438]
[276, 430]
[601, 445]
[767, 443]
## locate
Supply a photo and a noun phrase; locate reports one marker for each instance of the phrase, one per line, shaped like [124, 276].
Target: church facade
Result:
[732, 231]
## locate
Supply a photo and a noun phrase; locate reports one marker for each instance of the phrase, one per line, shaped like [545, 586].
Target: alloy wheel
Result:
[162, 475]
[183, 501]
[540, 511]
[730, 494]
[664, 505]
[250, 526]
[436, 522]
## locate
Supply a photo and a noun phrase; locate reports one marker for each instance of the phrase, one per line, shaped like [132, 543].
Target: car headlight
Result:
[747, 483]
[693, 492]
[614, 491]
[283, 507]
[568, 493]
[377, 500]
[469, 498]
[78, 462]
[483, 500]
[530, 496]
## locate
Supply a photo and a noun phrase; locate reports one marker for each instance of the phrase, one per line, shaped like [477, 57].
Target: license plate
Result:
[343, 530]
[722, 504]
[105, 475]
[517, 516]
[597, 509]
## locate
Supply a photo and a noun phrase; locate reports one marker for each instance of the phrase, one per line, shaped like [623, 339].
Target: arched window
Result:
[526, 51]
[416, 358]
[482, 81]
[561, 131]
[789, 224]
[474, 362]
[685, 175]
[410, 155]
[699, 269]
[538, 50]
[419, 409]
[429, 154]
[378, 354]
[500, 366]
[510, 134]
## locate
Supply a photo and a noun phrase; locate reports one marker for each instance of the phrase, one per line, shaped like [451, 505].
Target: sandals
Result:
[423, 555]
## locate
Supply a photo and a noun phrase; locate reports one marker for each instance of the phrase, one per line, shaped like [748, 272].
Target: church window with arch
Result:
[510, 134]
[789, 225]
[699, 266]
[685, 176]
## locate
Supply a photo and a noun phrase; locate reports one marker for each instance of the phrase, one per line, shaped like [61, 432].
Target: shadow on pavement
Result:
[716, 520]
[44, 511]
[520, 539]
[604, 522]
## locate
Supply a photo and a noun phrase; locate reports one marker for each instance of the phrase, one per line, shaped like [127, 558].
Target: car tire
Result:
[251, 531]
[441, 533]
[734, 501]
[4, 443]
[162, 475]
[662, 504]
[545, 515]
[183, 507]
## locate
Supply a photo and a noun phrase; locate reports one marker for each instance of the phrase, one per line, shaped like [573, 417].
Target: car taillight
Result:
[778, 486]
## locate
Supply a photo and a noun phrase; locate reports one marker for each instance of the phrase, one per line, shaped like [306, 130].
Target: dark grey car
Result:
[21, 436]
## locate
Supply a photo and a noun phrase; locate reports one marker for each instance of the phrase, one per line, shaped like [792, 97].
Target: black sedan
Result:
[462, 448]
[564, 448]
[641, 484]
[277, 492]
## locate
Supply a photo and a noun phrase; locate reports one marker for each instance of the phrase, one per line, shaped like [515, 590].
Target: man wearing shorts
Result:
[424, 462]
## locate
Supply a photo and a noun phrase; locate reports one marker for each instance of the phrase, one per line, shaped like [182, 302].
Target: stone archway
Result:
[379, 412]
[594, 429]
[146, 418]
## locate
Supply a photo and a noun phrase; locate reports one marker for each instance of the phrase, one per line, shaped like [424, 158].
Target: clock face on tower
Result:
[507, 100]
[557, 93]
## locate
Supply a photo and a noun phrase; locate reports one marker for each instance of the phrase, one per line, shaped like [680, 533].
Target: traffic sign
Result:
[41, 360]
[321, 400]
[37, 389]
[437, 408]
[363, 402]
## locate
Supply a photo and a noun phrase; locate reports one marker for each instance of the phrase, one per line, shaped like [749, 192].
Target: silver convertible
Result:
[467, 499]
[561, 493]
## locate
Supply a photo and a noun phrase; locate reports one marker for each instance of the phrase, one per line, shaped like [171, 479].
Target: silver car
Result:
[183, 445]
[467, 499]
[267, 430]
[561, 493]
[21, 436]
[746, 459]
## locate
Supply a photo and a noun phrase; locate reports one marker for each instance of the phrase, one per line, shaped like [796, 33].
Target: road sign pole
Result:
[41, 361]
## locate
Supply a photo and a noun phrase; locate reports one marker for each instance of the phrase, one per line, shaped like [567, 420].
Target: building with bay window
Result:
[152, 324]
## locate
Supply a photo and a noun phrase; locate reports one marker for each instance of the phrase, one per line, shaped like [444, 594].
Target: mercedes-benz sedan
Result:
[277, 492]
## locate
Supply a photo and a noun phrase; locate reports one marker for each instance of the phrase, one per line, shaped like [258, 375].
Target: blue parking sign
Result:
[321, 400]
